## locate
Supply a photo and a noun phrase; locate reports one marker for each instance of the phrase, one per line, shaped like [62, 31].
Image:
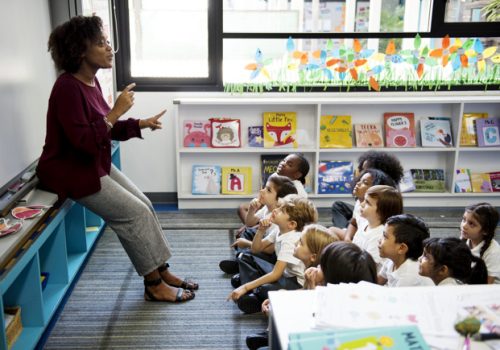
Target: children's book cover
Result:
[399, 129]
[196, 133]
[488, 134]
[255, 136]
[462, 181]
[394, 338]
[480, 182]
[468, 135]
[206, 179]
[226, 133]
[406, 184]
[236, 180]
[495, 181]
[335, 131]
[435, 133]
[268, 165]
[368, 135]
[335, 177]
[428, 180]
[280, 129]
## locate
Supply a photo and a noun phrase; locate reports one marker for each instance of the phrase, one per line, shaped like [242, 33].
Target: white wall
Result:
[26, 78]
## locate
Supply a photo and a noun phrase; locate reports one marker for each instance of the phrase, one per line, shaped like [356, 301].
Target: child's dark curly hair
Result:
[380, 160]
[69, 41]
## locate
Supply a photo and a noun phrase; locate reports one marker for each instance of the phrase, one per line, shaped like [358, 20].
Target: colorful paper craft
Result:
[11, 229]
[24, 213]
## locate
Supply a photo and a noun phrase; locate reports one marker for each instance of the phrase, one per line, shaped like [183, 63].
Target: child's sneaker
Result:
[229, 266]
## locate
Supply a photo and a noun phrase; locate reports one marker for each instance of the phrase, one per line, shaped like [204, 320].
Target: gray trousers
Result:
[131, 215]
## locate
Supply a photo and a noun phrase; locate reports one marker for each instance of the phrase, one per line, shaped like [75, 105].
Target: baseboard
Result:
[162, 197]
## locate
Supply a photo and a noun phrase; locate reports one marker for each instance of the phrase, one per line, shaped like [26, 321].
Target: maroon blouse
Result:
[77, 150]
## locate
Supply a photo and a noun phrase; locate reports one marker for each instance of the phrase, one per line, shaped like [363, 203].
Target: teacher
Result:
[76, 158]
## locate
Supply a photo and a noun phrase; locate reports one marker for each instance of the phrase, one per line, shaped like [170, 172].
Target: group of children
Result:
[282, 247]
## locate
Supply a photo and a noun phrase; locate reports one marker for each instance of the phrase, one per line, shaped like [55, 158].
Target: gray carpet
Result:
[107, 311]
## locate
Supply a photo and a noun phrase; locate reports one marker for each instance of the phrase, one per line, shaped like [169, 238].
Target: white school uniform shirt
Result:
[491, 258]
[367, 238]
[301, 191]
[356, 214]
[405, 276]
[284, 245]
[263, 213]
[450, 281]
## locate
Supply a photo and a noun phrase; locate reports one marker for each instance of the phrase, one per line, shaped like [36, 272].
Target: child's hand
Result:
[314, 277]
[265, 223]
[237, 293]
[266, 307]
[255, 204]
[241, 243]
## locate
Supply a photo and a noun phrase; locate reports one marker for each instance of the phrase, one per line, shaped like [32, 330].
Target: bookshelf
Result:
[364, 108]
[57, 244]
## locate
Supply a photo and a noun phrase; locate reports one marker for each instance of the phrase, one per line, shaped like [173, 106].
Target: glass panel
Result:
[299, 16]
[471, 11]
[373, 63]
[157, 49]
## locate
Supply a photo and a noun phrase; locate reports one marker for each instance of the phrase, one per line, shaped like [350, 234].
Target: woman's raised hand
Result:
[123, 103]
[153, 123]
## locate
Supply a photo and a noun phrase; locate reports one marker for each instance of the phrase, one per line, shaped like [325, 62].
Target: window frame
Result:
[216, 36]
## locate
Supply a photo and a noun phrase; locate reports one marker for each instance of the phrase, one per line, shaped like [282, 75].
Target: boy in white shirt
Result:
[402, 245]
[257, 276]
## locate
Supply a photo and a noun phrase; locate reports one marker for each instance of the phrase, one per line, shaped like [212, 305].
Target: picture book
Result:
[468, 136]
[255, 136]
[206, 179]
[495, 181]
[406, 184]
[399, 129]
[394, 338]
[428, 180]
[435, 133]
[280, 129]
[225, 133]
[268, 165]
[236, 180]
[480, 182]
[335, 177]
[488, 134]
[196, 133]
[335, 131]
[368, 135]
[462, 181]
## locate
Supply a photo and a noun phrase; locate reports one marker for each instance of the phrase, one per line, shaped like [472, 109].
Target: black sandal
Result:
[148, 296]
[185, 284]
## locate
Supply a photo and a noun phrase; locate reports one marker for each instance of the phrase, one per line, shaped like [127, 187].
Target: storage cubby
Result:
[363, 108]
[59, 246]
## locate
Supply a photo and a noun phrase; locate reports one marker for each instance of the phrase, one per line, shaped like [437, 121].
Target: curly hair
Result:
[69, 41]
[300, 210]
[384, 161]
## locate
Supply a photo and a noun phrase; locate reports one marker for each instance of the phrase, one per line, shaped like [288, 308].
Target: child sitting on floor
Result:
[380, 203]
[401, 244]
[277, 187]
[449, 261]
[291, 216]
[478, 230]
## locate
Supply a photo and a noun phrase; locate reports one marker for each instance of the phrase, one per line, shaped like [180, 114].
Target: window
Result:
[288, 44]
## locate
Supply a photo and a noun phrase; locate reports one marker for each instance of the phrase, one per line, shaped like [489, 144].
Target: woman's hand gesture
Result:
[153, 123]
[122, 104]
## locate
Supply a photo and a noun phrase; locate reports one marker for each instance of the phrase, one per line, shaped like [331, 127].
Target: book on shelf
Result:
[335, 131]
[206, 179]
[335, 177]
[394, 338]
[226, 133]
[280, 129]
[236, 180]
[468, 135]
[481, 182]
[368, 135]
[255, 136]
[495, 181]
[268, 166]
[399, 129]
[196, 133]
[436, 133]
[488, 134]
[428, 180]
[406, 184]
[462, 181]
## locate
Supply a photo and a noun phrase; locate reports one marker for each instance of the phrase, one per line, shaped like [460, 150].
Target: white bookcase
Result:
[364, 108]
